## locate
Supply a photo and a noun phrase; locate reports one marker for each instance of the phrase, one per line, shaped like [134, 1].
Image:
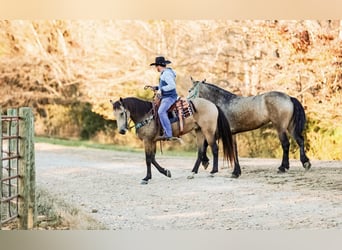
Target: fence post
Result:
[12, 129]
[27, 173]
[0, 169]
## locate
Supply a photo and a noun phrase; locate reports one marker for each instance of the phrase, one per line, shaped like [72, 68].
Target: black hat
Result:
[160, 60]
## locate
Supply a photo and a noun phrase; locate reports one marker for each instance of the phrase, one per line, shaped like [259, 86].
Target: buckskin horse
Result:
[286, 113]
[205, 118]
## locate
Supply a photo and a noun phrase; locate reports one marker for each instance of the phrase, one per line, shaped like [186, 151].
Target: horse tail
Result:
[225, 134]
[298, 117]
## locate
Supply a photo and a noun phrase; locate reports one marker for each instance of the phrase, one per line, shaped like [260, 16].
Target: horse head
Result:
[194, 82]
[121, 114]
[193, 91]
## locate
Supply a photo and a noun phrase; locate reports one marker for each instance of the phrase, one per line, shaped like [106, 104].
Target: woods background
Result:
[69, 70]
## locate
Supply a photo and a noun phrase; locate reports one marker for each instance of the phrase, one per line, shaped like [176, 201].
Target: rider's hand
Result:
[158, 93]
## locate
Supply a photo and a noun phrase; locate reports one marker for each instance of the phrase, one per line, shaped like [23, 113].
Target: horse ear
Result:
[121, 102]
[204, 80]
[191, 79]
[111, 101]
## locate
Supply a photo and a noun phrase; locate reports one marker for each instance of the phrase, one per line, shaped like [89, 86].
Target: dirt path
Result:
[106, 185]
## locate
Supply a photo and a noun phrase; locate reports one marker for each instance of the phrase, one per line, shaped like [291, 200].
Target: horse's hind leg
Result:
[285, 144]
[200, 151]
[214, 149]
[211, 140]
[303, 158]
[204, 158]
[237, 169]
[198, 161]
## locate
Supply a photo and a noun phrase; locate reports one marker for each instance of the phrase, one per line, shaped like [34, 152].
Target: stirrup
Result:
[165, 138]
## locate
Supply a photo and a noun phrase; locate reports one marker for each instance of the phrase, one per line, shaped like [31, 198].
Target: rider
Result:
[167, 92]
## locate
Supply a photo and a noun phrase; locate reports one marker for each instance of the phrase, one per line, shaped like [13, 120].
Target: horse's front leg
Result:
[161, 170]
[150, 154]
[148, 159]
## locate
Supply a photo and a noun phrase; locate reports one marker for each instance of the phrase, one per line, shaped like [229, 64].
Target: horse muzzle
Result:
[122, 131]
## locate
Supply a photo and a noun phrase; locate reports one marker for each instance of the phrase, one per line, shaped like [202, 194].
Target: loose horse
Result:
[248, 113]
[207, 120]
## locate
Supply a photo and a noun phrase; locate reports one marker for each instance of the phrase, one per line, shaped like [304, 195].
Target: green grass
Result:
[84, 143]
[91, 144]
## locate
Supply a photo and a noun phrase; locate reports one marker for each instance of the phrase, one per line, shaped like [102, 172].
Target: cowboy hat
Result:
[160, 60]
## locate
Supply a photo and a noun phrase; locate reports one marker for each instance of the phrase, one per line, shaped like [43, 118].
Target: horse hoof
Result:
[143, 182]
[205, 164]
[192, 176]
[307, 165]
[168, 173]
[212, 175]
[281, 171]
[235, 176]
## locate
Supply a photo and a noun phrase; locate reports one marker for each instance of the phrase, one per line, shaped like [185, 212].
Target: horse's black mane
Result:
[135, 105]
[219, 90]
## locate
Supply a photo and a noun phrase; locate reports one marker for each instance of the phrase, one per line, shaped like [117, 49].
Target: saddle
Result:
[177, 112]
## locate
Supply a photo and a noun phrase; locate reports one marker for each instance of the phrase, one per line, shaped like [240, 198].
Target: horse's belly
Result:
[188, 125]
[248, 117]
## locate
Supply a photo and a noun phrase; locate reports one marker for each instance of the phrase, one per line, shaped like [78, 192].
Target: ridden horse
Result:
[248, 113]
[207, 120]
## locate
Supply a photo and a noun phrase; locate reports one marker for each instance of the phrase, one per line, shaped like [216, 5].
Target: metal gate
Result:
[17, 172]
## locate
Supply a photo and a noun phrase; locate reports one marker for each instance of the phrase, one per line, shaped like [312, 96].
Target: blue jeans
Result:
[165, 104]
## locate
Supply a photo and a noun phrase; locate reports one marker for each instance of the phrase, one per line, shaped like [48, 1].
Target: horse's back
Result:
[251, 112]
[203, 105]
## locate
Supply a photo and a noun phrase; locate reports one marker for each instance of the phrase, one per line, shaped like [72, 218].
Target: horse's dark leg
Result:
[205, 159]
[148, 158]
[161, 170]
[303, 158]
[200, 152]
[285, 144]
[198, 161]
[237, 169]
[214, 149]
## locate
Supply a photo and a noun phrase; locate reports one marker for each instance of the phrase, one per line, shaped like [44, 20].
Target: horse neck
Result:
[214, 93]
[138, 108]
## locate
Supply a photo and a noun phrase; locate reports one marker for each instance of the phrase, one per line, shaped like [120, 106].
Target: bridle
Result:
[126, 119]
[194, 90]
[140, 124]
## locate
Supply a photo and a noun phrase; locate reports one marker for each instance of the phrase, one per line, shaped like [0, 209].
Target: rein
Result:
[139, 124]
[144, 122]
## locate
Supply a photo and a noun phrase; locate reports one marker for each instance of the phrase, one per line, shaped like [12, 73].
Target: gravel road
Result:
[106, 185]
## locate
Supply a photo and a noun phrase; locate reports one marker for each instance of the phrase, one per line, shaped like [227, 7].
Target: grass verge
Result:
[56, 214]
[91, 144]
